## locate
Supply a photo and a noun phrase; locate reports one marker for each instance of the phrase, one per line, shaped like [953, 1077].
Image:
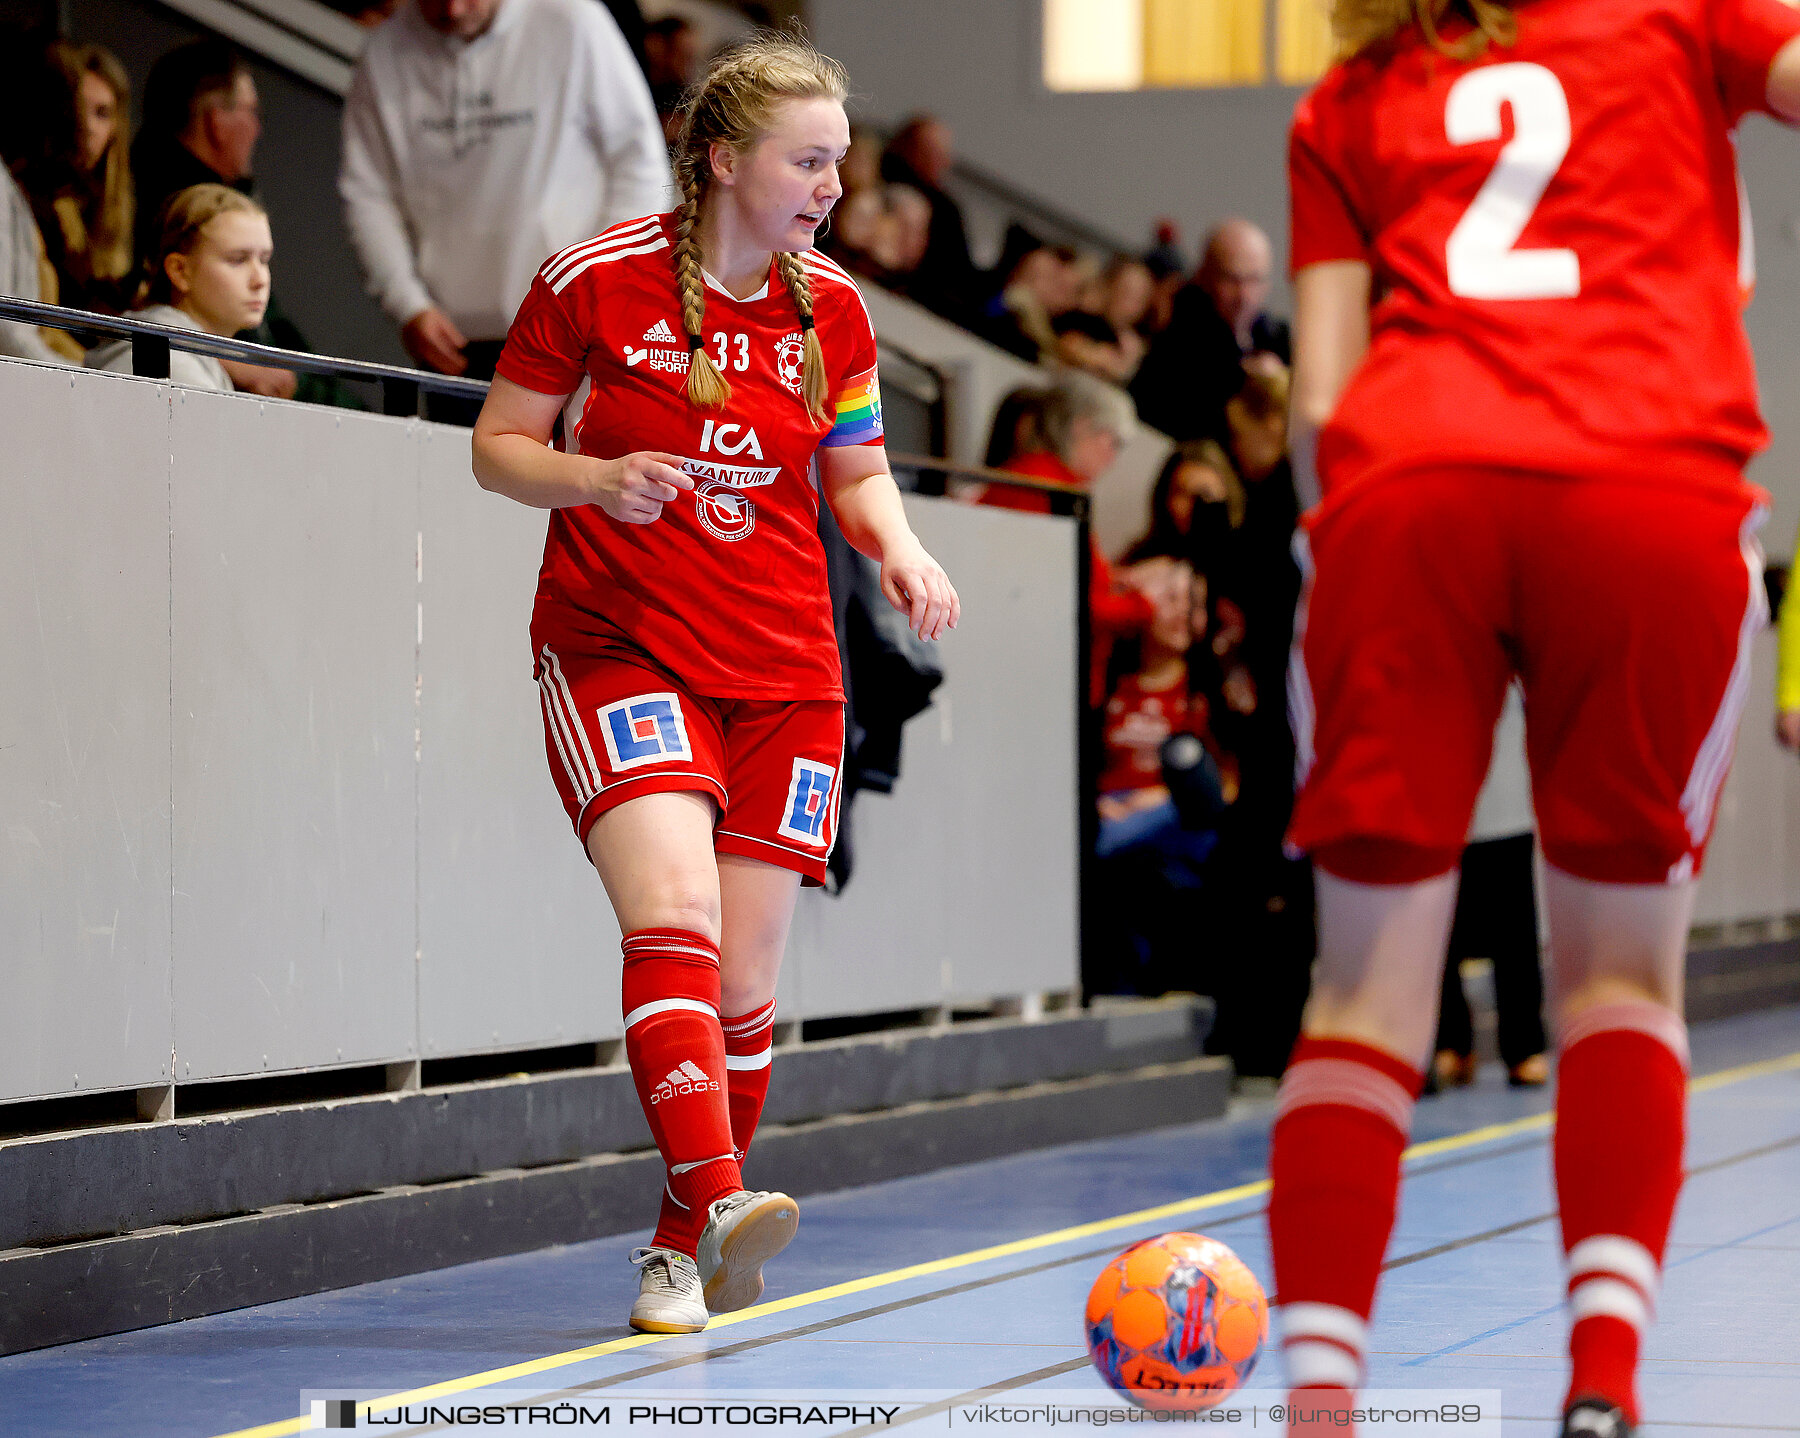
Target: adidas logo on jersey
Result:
[688, 1078]
[660, 334]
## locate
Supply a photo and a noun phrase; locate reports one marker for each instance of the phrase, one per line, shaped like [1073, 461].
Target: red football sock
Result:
[677, 1055]
[749, 1048]
[1341, 1124]
[747, 1053]
[1621, 1101]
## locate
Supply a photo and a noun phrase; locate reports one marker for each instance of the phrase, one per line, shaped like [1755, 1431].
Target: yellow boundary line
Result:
[493, 1376]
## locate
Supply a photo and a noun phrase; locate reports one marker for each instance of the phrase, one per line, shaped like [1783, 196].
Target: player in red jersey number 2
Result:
[1522, 378]
[715, 378]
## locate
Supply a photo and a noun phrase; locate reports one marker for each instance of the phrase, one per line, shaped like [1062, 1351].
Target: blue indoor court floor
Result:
[971, 1281]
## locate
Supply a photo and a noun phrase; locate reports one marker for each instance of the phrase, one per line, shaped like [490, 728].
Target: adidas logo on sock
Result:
[688, 1078]
[660, 333]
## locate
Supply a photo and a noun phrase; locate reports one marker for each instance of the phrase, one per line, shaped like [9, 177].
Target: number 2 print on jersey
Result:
[1480, 259]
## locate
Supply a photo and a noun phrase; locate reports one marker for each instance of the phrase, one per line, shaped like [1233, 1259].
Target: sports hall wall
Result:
[272, 772]
[1117, 161]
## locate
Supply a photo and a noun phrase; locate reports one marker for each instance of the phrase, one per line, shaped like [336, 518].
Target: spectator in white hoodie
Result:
[479, 137]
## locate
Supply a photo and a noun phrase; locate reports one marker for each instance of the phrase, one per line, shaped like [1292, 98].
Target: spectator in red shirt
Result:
[1151, 704]
[1164, 785]
[1084, 424]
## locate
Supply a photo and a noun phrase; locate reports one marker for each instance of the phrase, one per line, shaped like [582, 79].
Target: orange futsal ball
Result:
[1176, 1322]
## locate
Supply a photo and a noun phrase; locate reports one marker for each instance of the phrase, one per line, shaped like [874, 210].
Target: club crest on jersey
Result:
[808, 803]
[648, 729]
[790, 362]
[725, 512]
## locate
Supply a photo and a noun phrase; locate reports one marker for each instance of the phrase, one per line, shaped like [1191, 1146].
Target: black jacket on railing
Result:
[889, 676]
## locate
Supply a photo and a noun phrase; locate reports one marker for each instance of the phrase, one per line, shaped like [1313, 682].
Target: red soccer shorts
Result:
[1627, 610]
[617, 726]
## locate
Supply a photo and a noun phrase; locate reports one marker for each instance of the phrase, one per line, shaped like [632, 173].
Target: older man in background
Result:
[202, 121]
[481, 136]
[1219, 323]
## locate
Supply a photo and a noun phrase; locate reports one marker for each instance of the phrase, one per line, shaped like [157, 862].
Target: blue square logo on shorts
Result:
[649, 729]
[808, 803]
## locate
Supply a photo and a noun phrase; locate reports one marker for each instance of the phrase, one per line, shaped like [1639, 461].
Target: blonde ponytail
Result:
[734, 105]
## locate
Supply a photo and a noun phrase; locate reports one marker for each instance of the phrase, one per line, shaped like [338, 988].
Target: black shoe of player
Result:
[1595, 1418]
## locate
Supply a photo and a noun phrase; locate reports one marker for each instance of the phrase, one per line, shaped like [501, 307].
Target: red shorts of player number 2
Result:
[617, 726]
[1626, 607]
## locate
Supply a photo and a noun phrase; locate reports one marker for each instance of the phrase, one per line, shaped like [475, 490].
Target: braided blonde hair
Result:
[734, 105]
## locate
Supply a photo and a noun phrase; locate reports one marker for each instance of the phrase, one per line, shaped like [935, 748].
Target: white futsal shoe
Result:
[744, 1230]
[669, 1299]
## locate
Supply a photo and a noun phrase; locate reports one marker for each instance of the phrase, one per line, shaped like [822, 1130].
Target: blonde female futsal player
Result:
[1520, 365]
[706, 364]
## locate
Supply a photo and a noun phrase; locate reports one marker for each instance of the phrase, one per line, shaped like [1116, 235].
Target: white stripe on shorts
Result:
[553, 666]
[553, 718]
[1301, 713]
[1714, 759]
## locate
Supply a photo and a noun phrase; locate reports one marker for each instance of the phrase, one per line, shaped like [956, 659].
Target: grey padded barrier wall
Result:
[272, 771]
[294, 536]
[84, 734]
[518, 945]
[966, 875]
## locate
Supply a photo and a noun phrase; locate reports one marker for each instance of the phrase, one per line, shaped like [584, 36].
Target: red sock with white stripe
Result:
[1341, 1124]
[676, 1050]
[749, 1040]
[749, 1052]
[1621, 1102]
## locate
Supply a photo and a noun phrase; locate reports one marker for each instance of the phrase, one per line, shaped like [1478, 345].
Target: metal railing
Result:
[401, 387]
[151, 344]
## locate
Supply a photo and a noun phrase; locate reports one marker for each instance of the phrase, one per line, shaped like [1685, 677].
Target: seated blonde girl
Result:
[210, 272]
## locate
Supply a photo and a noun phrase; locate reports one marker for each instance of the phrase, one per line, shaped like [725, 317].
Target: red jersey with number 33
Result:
[727, 589]
[1554, 231]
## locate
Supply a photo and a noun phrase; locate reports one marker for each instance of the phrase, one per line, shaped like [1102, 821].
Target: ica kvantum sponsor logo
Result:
[723, 510]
